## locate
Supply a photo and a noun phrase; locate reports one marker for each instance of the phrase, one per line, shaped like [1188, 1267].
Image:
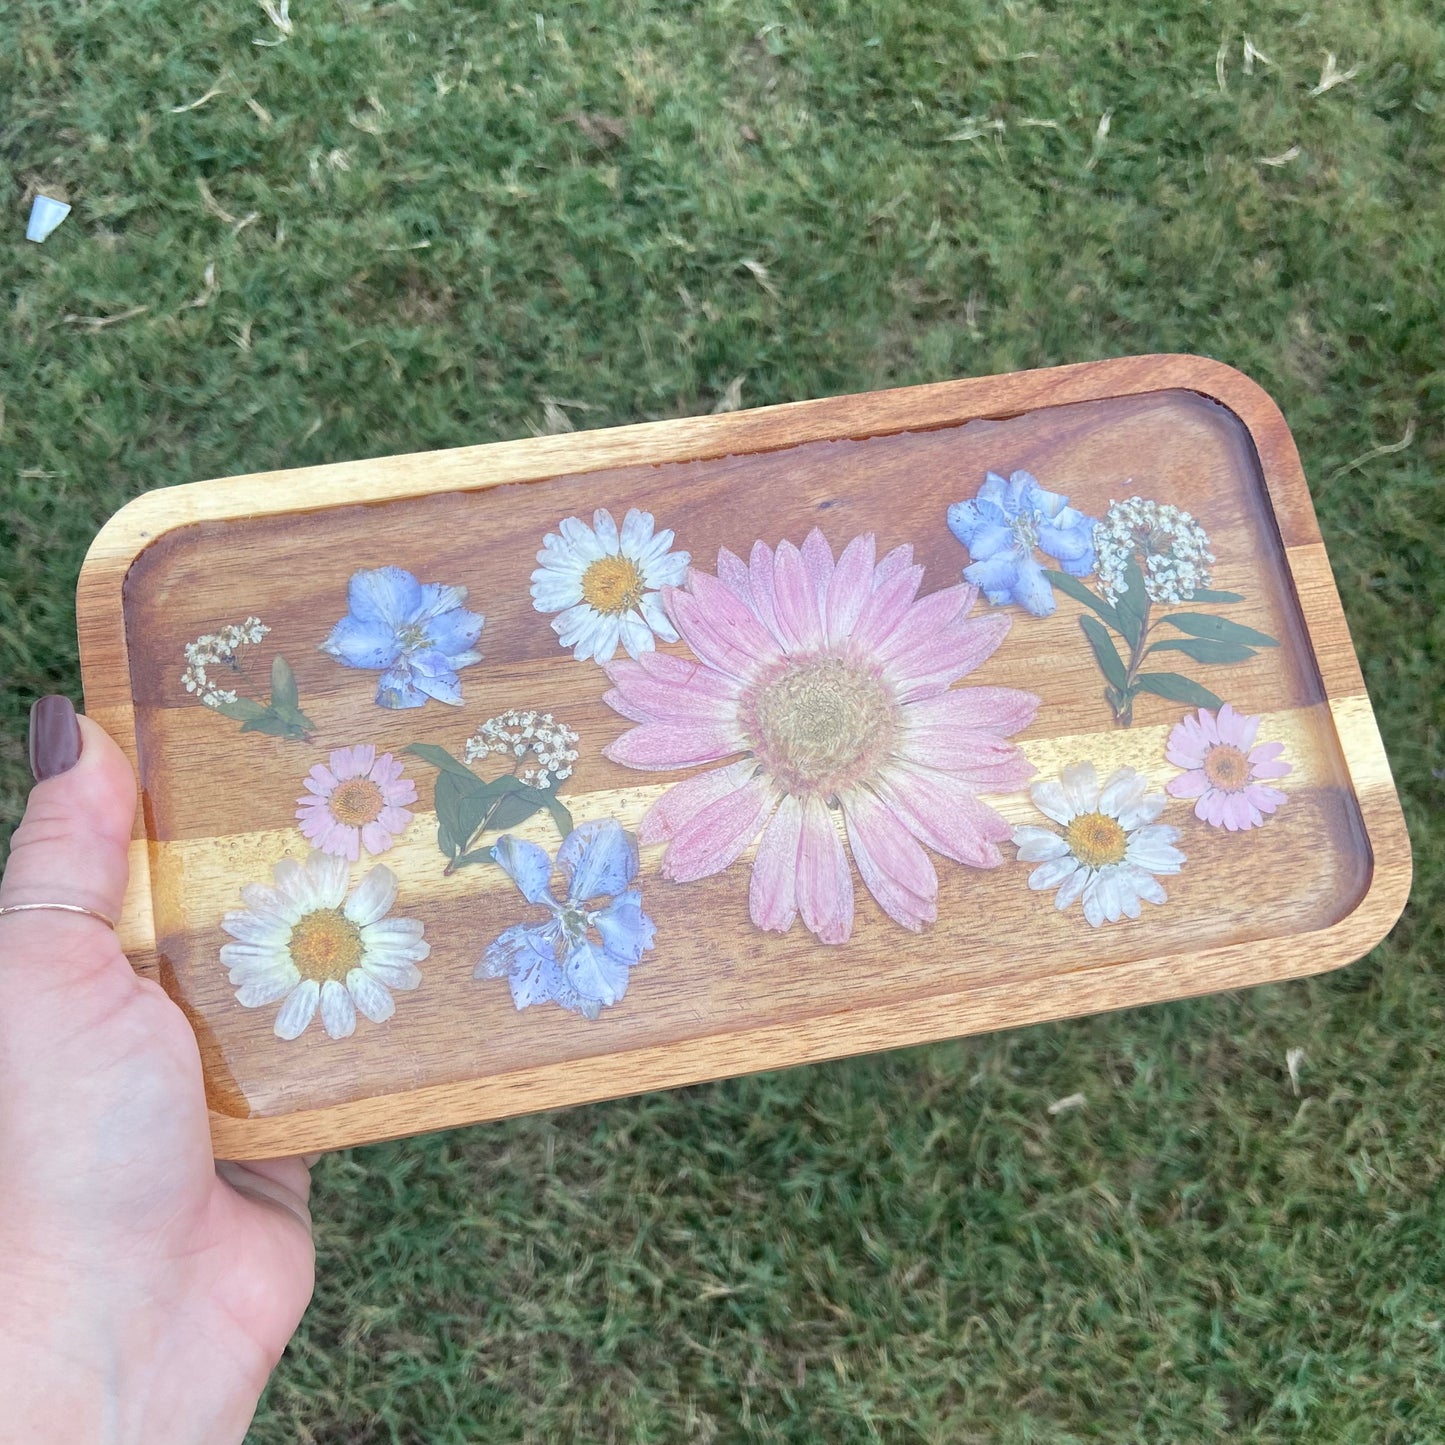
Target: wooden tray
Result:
[819, 719]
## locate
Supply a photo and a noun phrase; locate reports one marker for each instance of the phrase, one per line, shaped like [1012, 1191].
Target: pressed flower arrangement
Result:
[763, 748]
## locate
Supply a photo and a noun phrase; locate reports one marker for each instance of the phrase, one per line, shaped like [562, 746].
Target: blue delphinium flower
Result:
[581, 956]
[418, 636]
[1002, 526]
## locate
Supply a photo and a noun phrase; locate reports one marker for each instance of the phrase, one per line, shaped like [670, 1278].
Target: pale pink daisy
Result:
[1226, 768]
[357, 802]
[831, 680]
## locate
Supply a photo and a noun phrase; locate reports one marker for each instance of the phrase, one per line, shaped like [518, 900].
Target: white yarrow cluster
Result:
[218, 647]
[1172, 548]
[517, 734]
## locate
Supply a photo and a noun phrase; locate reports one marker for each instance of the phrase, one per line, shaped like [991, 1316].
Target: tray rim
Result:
[105, 671]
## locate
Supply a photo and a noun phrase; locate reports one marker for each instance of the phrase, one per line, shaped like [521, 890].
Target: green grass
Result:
[907, 1248]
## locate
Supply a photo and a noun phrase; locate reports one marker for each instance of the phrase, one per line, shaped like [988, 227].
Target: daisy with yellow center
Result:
[307, 944]
[1229, 774]
[1111, 848]
[358, 801]
[603, 584]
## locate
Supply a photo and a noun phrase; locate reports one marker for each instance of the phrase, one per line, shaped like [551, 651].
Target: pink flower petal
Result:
[886, 607]
[896, 561]
[899, 874]
[944, 814]
[353, 762]
[760, 575]
[684, 800]
[684, 672]
[1210, 808]
[394, 819]
[314, 822]
[848, 589]
[689, 693]
[1231, 726]
[1280, 769]
[719, 628]
[825, 885]
[376, 837]
[1186, 746]
[711, 840]
[673, 745]
[984, 761]
[925, 621]
[1002, 710]
[732, 572]
[1237, 812]
[1264, 798]
[795, 594]
[1193, 784]
[772, 891]
[321, 780]
[399, 792]
[1208, 726]
[818, 563]
[927, 671]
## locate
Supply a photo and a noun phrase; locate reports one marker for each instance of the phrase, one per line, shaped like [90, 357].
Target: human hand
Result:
[146, 1291]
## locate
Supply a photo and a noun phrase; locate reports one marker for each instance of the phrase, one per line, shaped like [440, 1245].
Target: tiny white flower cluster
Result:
[1171, 546]
[517, 734]
[218, 647]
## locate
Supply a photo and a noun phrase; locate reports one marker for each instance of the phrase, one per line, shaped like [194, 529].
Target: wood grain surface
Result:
[1316, 887]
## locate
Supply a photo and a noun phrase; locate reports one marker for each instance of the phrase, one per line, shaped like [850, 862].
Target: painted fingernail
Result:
[54, 737]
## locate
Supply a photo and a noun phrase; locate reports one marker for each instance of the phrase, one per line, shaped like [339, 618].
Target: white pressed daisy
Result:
[603, 583]
[307, 944]
[1111, 848]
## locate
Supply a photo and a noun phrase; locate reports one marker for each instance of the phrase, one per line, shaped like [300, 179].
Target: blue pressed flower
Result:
[1003, 525]
[582, 955]
[418, 636]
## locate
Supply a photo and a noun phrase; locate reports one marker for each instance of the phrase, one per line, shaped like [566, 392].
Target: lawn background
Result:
[417, 225]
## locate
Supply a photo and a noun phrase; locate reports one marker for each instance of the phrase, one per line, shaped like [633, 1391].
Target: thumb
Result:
[71, 847]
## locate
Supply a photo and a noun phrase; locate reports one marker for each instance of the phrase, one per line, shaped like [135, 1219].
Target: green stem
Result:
[1124, 704]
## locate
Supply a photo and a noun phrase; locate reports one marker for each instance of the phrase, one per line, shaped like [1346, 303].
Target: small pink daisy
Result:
[357, 801]
[1225, 769]
[830, 684]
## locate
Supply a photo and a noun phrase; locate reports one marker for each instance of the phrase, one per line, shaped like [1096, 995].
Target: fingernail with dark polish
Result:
[54, 737]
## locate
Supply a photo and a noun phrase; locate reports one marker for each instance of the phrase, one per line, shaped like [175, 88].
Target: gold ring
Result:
[56, 908]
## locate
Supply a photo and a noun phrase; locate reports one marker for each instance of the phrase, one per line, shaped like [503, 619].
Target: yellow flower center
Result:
[820, 724]
[612, 584]
[1226, 768]
[325, 944]
[1096, 840]
[356, 802]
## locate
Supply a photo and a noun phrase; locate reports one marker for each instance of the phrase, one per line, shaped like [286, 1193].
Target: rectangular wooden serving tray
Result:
[1319, 884]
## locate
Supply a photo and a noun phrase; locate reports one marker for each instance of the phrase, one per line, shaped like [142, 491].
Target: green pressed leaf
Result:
[561, 816]
[1208, 594]
[1133, 604]
[243, 710]
[513, 809]
[1177, 689]
[480, 806]
[1072, 587]
[1217, 629]
[273, 725]
[294, 717]
[447, 797]
[284, 698]
[1110, 663]
[441, 758]
[1204, 649]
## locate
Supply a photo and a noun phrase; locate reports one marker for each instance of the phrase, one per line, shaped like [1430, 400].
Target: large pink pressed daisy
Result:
[359, 801]
[831, 680]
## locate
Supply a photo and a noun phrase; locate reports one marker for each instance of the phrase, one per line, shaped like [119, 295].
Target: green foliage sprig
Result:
[1215, 641]
[468, 806]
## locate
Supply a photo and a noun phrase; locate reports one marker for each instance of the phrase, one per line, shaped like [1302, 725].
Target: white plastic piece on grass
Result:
[45, 215]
